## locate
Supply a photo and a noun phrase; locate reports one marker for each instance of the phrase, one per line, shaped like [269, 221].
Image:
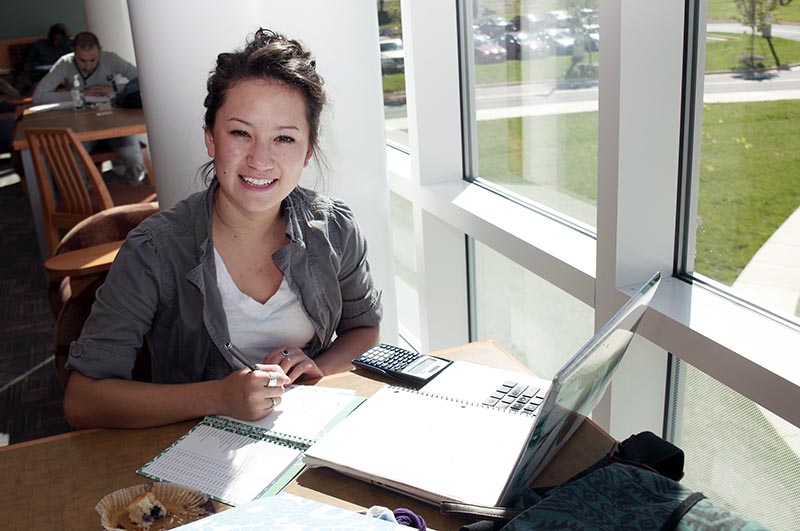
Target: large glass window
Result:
[538, 323]
[738, 454]
[535, 70]
[748, 202]
[390, 26]
[746, 242]
[405, 268]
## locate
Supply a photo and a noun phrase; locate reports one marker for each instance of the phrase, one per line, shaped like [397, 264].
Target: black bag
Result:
[129, 97]
[634, 487]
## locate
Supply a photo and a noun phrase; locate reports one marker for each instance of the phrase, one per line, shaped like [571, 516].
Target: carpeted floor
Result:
[30, 393]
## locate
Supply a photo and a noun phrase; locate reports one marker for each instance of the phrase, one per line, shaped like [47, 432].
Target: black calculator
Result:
[401, 363]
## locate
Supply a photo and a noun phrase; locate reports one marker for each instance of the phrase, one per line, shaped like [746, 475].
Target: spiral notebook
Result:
[235, 461]
[438, 446]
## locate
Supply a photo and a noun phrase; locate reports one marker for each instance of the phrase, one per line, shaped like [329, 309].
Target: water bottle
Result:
[78, 100]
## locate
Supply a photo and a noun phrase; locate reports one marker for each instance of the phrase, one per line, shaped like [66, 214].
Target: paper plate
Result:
[183, 505]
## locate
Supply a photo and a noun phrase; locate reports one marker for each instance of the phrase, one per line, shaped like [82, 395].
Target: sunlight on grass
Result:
[749, 181]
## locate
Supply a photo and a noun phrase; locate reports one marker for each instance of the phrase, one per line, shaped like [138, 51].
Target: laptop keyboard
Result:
[516, 397]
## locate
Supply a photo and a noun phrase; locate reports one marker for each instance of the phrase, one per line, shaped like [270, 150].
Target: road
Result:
[784, 31]
[532, 99]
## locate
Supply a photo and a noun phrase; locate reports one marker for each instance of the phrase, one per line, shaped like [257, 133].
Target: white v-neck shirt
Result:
[257, 328]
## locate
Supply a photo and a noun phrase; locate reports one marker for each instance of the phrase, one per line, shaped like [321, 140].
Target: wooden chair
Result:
[60, 163]
[71, 297]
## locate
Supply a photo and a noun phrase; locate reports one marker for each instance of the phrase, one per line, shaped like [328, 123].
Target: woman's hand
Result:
[251, 395]
[294, 363]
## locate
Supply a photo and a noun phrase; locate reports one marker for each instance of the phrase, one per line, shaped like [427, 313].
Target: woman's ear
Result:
[209, 140]
[308, 157]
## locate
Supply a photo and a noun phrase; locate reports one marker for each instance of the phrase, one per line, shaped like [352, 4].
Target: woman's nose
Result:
[260, 157]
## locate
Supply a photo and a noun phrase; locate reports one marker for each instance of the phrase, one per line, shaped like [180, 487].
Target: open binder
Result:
[430, 447]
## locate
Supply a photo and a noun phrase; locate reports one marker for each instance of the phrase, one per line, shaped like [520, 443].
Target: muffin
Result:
[145, 509]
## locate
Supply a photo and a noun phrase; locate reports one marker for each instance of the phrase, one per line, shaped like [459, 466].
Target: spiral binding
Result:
[259, 434]
[453, 399]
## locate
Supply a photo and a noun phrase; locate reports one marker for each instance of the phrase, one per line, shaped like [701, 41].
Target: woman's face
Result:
[260, 145]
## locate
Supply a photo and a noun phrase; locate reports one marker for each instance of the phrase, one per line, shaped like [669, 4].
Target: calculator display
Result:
[422, 365]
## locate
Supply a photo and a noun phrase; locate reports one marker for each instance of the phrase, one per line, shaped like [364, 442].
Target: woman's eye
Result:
[239, 132]
[286, 139]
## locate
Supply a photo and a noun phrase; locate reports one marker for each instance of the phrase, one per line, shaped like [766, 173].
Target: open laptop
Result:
[525, 444]
[560, 404]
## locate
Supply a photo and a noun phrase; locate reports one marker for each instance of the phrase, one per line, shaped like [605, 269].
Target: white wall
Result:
[108, 19]
[177, 43]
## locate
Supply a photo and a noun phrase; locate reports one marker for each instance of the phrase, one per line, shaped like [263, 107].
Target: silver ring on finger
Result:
[285, 353]
[274, 402]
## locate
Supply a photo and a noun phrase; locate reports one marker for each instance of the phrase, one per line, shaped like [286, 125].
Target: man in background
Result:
[98, 72]
[42, 56]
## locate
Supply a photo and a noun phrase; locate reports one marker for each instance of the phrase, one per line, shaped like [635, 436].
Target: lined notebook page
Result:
[429, 447]
[226, 466]
[305, 411]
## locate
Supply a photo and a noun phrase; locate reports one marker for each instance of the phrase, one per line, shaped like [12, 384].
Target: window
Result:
[405, 268]
[538, 323]
[738, 454]
[743, 197]
[535, 70]
[393, 71]
[748, 199]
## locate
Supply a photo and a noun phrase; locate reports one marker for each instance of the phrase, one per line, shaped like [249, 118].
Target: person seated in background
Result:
[42, 56]
[255, 260]
[97, 71]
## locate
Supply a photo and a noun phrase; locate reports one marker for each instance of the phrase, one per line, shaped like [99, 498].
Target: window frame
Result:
[639, 146]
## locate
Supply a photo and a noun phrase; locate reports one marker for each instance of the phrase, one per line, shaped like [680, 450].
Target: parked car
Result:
[561, 41]
[493, 26]
[392, 57]
[487, 49]
[524, 45]
[529, 23]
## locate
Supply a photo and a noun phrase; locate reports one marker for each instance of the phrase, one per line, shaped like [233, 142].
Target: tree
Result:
[583, 18]
[754, 13]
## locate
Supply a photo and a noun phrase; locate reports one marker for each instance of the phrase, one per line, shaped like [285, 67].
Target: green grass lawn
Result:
[749, 171]
[725, 54]
[726, 11]
[749, 181]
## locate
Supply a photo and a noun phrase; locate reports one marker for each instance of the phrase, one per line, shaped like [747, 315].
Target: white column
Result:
[177, 44]
[108, 19]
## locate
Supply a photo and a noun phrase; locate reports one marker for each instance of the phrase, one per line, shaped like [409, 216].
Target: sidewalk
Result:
[772, 279]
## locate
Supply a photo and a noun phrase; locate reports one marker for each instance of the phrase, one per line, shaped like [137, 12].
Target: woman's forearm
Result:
[347, 346]
[113, 403]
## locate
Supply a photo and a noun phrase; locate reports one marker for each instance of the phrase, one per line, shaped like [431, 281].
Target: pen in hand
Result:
[239, 355]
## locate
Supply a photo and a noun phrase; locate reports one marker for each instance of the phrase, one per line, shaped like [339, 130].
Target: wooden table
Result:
[54, 483]
[82, 262]
[88, 124]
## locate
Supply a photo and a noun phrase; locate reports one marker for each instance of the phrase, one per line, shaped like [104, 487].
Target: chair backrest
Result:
[72, 301]
[63, 168]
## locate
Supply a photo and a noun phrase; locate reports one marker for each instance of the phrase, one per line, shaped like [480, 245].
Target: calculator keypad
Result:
[388, 357]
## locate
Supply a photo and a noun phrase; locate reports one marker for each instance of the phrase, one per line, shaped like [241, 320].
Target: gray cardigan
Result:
[162, 288]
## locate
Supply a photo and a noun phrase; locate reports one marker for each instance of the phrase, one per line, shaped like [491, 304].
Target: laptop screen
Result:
[578, 387]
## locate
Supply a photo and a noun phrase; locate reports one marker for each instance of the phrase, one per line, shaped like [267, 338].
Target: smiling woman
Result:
[254, 261]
